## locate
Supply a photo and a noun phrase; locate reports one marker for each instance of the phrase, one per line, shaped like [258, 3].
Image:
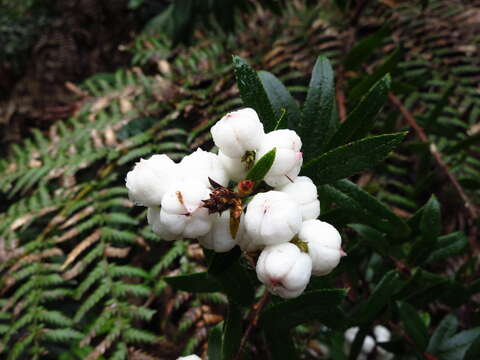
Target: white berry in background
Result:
[238, 132]
[367, 346]
[272, 218]
[235, 168]
[150, 179]
[219, 238]
[304, 191]
[182, 214]
[201, 165]
[288, 158]
[284, 269]
[324, 245]
[189, 357]
[382, 334]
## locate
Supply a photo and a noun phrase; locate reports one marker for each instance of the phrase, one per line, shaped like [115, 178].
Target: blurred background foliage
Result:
[88, 87]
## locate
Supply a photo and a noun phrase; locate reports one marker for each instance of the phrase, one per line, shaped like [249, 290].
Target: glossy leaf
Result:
[215, 342]
[365, 207]
[260, 169]
[320, 305]
[318, 122]
[445, 330]
[413, 325]
[351, 158]
[365, 48]
[198, 282]
[253, 93]
[447, 246]
[283, 104]
[456, 347]
[381, 295]
[361, 120]
[232, 332]
[375, 239]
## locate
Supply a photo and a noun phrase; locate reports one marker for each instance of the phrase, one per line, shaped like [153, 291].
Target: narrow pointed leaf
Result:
[445, 330]
[253, 93]
[352, 158]
[414, 325]
[232, 333]
[215, 342]
[365, 48]
[261, 168]
[381, 295]
[456, 347]
[283, 104]
[320, 305]
[198, 282]
[318, 122]
[365, 207]
[361, 120]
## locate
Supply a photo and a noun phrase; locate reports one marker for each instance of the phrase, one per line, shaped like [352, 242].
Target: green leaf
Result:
[232, 333]
[365, 48]
[280, 344]
[281, 101]
[445, 330]
[447, 246]
[233, 277]
[365, 207]
[361, 120]
[388, 285]
[253, 93]
[473, 352]
[375, 239]
[321, 305]
[430, 227]
[133, 4]
[414, 325]
[352, 158]
[260, 169]
[198, 282]
[387, 67]
[215, 342]
[318, 122]
[456, 347]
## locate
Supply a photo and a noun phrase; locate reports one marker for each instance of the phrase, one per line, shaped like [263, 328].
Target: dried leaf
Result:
[77, 250]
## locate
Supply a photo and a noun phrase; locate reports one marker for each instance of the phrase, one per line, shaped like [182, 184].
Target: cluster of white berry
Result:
[192, 199]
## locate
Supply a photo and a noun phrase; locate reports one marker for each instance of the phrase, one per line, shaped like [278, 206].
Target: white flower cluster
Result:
[183, 202]
[370, 344]
[189, 357]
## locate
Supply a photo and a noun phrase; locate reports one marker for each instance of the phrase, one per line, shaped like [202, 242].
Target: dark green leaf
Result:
[387, 67]
[430, 226]
[318, 121]
[283, 104]
[253, 94]
[372, 237]
[361, 120]
[233, 332]
[280, 344]
[198, 282]
[414, 325]
[447, 246]
[445, 330]
[260, 169]
[215, 342]
[321, 305]
[365, 48]
[473, 352]
[351, 158]
[365, 207]
[456, 347]
[388, 285]
[221, 261]
[431, 223]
